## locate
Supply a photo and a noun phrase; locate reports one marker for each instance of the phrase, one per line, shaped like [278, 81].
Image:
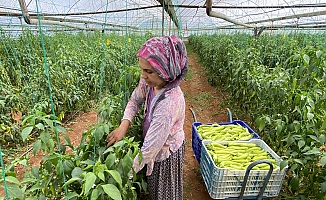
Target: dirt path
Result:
[204, 100]
[201, 97]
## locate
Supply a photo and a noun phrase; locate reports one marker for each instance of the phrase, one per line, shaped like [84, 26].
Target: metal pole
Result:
[163, 18]
[21, 23]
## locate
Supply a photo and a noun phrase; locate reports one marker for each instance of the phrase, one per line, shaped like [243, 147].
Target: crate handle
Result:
[195, 119]
[193, 114]
[230, 114]
[262, 189]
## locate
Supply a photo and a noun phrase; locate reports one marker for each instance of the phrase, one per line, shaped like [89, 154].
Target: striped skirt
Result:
[165, 182]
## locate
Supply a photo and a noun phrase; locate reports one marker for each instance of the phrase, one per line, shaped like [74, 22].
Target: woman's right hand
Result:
[117, 134]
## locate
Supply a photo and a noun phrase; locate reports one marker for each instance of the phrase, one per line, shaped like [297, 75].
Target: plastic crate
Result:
[223, 183]
[197, 140]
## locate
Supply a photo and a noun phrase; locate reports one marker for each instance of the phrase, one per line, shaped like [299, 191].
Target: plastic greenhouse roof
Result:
[147, 15]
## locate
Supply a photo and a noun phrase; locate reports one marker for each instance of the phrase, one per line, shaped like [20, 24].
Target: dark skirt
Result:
[165, 182]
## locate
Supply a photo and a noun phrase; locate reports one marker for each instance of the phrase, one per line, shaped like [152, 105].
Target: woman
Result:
[164, 64]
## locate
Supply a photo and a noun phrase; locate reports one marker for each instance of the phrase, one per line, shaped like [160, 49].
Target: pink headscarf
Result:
[168, 56]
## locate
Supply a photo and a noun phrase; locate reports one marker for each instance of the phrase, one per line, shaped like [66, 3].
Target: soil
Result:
[200, 96]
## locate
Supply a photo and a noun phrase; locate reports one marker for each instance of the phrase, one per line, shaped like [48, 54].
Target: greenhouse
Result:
[253, 103]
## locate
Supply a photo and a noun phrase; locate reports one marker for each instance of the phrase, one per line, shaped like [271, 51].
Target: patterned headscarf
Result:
[168, 56]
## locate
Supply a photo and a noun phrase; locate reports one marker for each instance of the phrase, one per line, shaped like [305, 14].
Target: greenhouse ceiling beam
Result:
[320, 27]
[169, 8]
[35, 16]
[52, 30]
[180, 6]
[297, 26]
[212, 13]
[310, 14]
[83, 21]
[33, 20]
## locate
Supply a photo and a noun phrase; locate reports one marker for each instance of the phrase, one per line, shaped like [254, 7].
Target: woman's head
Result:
[168, 56]
[150, 75]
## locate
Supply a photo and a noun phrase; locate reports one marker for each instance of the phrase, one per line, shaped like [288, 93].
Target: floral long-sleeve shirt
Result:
[165, 133]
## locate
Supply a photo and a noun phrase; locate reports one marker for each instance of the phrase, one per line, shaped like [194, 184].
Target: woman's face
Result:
[150, 75]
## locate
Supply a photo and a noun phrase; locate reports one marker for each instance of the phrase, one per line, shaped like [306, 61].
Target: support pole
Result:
[21, 24]
[163, 18]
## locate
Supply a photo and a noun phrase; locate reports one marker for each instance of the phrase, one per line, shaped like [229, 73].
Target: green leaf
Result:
[260, 123]
[59, 169]
[12, 179]
[323, 161]
[35, 172]
[68, 166]
[294, 166]
[35, 187]
[40, 126]
[110, 149]
[322, 138]
[283, 164]
[50, 143]
[72, 195]
[127, 162]
[99, 132]
[26, 131]
[60, 129]
[323, 125]
[90, 179]
[110, 160]
[77, 172]
[112, 191]
[28, 180]
[101, 176]
[310, 116]
[88, 162]
[94, 195]
[279, 128]
[14, 192]
[119, 144]
[68, 141]
[305, 149]
[107, 127]
[73, 179]
[301, 143]
[49, 122]
[319, 53]
[306, 58]
[45, 136]
[314, 151]
[298, 161]
[294, 183]
[314, 138]
[116, 176]
[2, 103]
[144, 184]
[31, 198]
[290, 140]
[42, 197]
[323, 187]
[294, 84]
[37, 146]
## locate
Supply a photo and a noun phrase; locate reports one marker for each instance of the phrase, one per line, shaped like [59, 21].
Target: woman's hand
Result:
[117, 134]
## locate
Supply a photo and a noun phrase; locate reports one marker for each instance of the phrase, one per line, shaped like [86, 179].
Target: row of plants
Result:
[279, 80]
[48, 78]
[90, 171]
[73, 70]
